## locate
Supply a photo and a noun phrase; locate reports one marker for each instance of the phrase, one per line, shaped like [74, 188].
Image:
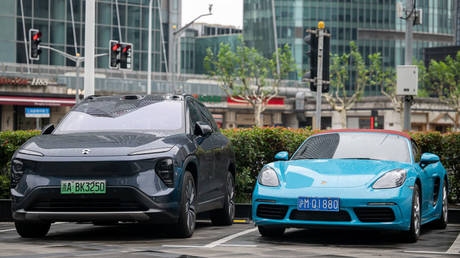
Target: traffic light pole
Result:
[408, 60]
[78, 60]
[319, 79]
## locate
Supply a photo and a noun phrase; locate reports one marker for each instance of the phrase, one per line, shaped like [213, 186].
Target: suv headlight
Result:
[268, 177]
[391, 179]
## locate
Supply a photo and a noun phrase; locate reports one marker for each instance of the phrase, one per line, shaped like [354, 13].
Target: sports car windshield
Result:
[376, 146]
[159, 117]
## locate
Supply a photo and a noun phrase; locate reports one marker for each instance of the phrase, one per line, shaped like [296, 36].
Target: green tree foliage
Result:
[341, 69]
[248, 77]
[444, 77]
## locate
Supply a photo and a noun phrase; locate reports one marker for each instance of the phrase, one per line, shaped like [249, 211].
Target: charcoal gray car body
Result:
[143, 169]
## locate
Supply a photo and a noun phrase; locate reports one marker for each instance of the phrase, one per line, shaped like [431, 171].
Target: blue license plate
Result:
[317, 204]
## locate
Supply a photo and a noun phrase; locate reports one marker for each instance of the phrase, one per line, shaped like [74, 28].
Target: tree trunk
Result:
[257, 114]
[343, 116]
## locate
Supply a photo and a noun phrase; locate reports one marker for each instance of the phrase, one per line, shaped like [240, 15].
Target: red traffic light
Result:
[126, 48]
[115, 47]
[37, 36]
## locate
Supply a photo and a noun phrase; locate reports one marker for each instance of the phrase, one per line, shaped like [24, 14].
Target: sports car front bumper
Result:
[360, 207]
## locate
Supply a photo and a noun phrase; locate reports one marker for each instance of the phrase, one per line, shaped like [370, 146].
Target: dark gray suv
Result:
[152, 159]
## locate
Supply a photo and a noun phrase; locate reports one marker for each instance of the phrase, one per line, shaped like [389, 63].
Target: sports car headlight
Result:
[268, 177]
[391, 179]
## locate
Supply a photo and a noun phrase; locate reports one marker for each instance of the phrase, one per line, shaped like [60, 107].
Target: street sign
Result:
[38, 112]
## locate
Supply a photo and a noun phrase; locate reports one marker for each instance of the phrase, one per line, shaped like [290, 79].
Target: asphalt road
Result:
[239, 240]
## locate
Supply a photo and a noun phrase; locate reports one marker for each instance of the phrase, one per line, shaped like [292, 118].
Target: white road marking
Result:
[455, 247]
[425, 252]
[230, 245]
[228, 238]
[218, 242]
[13, 229]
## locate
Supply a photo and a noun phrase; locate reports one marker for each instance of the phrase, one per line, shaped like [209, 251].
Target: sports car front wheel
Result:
[441, 223]
[271, 231]
[413, 234]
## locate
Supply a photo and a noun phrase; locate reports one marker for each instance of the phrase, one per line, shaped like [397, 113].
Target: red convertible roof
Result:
[367, 131]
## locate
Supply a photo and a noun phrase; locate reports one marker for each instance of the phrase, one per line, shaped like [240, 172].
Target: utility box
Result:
[406, 80]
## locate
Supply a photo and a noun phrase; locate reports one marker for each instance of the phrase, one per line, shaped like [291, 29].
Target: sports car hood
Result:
[334, 172]
[98, 144]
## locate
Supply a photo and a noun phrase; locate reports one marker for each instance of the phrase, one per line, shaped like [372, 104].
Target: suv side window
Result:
[415, 152]
[194, 114]
[208, 116]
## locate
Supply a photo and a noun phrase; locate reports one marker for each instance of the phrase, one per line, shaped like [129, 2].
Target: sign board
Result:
[38, 112]
[406, 80]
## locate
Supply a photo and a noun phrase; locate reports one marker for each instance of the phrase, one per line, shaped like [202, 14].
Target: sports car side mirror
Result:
[282, 155]
[202, 129]
[48, 129]
[427, 159]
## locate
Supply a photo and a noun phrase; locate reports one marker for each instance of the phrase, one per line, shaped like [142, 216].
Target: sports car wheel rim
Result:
[444, 203]
[189, 208]
[417, 215]
[231, 196]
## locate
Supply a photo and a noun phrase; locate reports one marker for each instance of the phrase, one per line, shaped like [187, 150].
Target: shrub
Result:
[255, 147]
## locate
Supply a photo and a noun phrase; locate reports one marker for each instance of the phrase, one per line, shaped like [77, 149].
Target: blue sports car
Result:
[352, 178]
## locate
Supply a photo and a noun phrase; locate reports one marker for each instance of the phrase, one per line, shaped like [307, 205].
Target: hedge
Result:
[255, 147]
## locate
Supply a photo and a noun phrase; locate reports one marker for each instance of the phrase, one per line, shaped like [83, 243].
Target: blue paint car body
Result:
[351, 181]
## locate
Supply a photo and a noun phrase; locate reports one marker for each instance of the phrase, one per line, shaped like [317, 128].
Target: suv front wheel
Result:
[32, 229]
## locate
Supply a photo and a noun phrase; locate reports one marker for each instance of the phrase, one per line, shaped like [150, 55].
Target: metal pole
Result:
[149, 52]
[319, 79]
[408, 60]
[77, 81]
[275, 36]
[89, 47]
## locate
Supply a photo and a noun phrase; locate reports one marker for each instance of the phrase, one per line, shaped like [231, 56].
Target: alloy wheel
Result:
[417, 215]
[231, 195]
[189, 208]
[444, 203]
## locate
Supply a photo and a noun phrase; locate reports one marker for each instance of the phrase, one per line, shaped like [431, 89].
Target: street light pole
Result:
[174, 63]
[149, 52]
[275, 36]
[410, 8]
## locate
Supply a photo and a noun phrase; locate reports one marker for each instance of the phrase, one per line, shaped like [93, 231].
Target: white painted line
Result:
[230, 245]
[7, 230]
[455, 247]
[424, 252]
[228, 238]
[184, 246]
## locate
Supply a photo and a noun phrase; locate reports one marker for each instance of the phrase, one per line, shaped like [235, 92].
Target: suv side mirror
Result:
[282, 155]
[202, 129]
[48, 129]
[427, 159]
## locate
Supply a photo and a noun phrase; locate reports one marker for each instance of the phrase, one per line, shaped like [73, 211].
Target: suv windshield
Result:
[355, 146]
[112, 114]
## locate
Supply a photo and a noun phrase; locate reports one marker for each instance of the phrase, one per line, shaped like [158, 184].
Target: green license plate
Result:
[83, 187]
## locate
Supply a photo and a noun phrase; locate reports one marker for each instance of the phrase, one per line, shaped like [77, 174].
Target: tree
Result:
[341, 70]
[445, 77]
[248, 77]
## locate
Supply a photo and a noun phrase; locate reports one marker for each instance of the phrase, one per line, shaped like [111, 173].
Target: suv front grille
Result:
[86, 205]
[320, 215]
[375, 214]
[271, 211]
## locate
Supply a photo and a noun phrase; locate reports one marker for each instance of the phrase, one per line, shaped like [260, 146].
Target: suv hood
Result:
[98, 144]
[340, 173]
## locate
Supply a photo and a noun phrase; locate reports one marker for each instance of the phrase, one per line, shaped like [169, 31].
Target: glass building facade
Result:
[54, 19]
[373, 25]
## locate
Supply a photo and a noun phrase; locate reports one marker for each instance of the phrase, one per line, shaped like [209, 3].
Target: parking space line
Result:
[13, 229]
[218, 242]
[455, 247]
[228, 238]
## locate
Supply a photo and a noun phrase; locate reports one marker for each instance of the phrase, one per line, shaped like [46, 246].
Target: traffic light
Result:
[34, 44]
[312, 40]
[114, 54]
[374, 119]
[126, 56]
